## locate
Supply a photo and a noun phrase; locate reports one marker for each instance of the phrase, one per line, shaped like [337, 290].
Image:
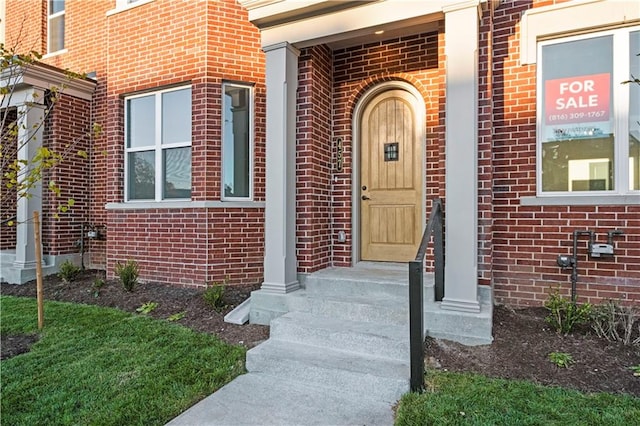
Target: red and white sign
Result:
[580, 99]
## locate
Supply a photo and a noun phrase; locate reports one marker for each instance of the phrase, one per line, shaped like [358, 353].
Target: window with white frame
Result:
[237, 142]
[55, 25]
[588, 120]
[158, 145]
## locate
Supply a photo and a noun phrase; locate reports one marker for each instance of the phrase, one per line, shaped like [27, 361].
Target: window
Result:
[587, 120]
[237, 146]
[158, 145]
[55, 27]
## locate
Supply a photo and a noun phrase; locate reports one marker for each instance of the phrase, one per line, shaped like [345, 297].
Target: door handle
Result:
[365, 197]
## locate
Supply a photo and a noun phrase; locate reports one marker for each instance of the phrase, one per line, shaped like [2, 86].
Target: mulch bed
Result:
[523, 340]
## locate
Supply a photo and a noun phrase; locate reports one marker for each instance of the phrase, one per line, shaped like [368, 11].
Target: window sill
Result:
[145, 205]
[56, 53]
[121, 7]
[581, 200]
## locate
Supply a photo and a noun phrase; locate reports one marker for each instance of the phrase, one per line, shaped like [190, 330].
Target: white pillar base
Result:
[280, 288]
[449, 304]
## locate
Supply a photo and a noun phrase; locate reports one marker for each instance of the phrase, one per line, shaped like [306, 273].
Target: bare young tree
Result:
[21, 173]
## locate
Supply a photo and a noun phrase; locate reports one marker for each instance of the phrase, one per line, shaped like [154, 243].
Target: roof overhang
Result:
[40, 77]
[343, 23]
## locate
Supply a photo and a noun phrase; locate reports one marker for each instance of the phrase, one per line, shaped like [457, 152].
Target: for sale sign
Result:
[580, 99]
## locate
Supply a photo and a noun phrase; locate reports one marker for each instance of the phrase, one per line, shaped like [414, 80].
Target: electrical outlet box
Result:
[598, 250]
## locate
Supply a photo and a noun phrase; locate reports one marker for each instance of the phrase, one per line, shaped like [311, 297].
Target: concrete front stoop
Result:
[338, 354]
[12, 273]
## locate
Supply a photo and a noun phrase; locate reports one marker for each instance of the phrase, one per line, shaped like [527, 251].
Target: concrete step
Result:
[371, 377]
[382, 340]
[464, 327]
[353, 282]
[259, 399]
[382, 309]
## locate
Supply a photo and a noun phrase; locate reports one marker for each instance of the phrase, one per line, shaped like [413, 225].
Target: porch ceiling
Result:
[342, 24]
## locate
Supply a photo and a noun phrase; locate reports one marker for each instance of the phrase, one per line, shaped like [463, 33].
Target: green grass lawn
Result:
[469, 399]
[102, 366]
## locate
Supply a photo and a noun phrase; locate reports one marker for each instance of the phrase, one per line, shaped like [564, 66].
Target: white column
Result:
[30, 125]
[461, 173]
[280, 264]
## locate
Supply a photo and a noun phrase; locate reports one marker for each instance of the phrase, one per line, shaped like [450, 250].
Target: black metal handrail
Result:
[416, 273]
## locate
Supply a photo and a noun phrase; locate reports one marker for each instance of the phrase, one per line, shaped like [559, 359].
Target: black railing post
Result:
[438, 254]
[416, 325]
[416, 274]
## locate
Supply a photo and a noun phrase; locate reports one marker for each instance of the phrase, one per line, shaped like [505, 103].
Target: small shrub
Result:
[68, 271]
[564, 314]
[213, 296]
[561, 359]
[616, 322]
[147, 308]
[128, 274]
[635, 369]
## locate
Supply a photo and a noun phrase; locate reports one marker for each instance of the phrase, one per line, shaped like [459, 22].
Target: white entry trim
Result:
[419, 104]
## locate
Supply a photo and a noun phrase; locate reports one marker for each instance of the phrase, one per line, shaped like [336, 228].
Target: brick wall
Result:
[189, 246]
[26, 25]
[418, 60]
[315, 156]
[67, 131]
[527, 239]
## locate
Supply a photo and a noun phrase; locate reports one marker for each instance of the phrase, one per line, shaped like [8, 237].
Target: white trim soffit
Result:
[45, 77]
[572, 17]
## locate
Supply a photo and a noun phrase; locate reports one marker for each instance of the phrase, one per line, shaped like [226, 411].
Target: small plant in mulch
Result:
[128, 274]
[213, 296]
[561, 359]
[564, 314]
[616, 322]
[147, 308]
[635, 369]
[68, 271]
[177, 316]
[96, 285]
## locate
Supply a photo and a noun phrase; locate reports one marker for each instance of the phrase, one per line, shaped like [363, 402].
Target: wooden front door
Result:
[391, 178]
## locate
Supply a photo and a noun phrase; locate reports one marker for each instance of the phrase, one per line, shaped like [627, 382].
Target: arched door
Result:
[391, 178]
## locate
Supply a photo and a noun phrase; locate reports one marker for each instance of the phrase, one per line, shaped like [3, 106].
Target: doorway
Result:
[391, 175]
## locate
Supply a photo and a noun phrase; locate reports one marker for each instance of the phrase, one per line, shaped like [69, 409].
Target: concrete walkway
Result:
[342, 359]
[339, 356]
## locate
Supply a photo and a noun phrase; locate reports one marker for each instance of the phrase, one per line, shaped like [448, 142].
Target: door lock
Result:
[365, 197]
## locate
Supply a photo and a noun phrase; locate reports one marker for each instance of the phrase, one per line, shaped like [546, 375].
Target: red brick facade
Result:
[150, 47]
[527, 239]
[162, 44]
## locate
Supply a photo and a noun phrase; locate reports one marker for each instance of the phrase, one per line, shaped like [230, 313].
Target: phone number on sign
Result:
[576, 115]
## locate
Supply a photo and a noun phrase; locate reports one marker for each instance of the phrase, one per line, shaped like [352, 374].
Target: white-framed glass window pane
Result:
[56, 6]
[577, 125]
[158, 145]
[142, 175]
[634, 111]
[237, 141]
[55, 25]
[177, 172]
[176, 116]
[141, 121]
